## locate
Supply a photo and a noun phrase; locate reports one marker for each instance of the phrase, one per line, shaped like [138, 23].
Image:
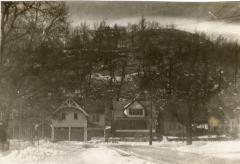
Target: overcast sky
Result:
[212, 18]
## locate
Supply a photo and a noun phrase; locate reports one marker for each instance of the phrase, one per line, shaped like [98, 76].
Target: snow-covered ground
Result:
[221, 149]
[46, 152]
[69, 153]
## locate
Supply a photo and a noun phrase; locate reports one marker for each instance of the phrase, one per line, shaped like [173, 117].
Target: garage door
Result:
[61, 134]
[77, 134]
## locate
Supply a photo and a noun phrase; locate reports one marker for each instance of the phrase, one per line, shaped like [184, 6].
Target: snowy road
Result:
[70, 153]
[163, 155]
[124, 153]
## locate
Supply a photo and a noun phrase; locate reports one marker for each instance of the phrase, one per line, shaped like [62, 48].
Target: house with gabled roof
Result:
[78, 120]
[132, 118]
[69, 122]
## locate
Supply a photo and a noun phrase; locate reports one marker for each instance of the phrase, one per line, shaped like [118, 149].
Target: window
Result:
[136, 112]
[63, 116]
[75, 116]
[95, 118]
[1, 115]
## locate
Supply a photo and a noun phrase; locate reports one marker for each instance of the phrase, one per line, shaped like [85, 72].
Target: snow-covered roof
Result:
[132, 102]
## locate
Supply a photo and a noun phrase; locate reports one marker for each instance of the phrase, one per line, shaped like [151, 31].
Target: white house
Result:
[69, 122]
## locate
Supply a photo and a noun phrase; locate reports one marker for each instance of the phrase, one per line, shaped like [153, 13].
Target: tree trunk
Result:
[189, 125]
[122, 79]
[2, 48]
[160, 125]
[112, 119]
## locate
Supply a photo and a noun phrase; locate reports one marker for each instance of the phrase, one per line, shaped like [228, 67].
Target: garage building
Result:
[69, 122]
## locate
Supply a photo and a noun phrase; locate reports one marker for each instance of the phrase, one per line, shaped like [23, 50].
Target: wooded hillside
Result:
[44, 60]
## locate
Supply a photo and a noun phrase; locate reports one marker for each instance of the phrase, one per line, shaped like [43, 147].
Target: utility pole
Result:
[19, 126]
[150, 130]
[148, 94]
[151, 116]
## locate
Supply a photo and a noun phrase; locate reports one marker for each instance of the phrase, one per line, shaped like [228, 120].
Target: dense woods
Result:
[44, 59]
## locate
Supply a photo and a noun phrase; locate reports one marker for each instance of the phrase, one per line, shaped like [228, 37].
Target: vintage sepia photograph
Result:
[120, 82]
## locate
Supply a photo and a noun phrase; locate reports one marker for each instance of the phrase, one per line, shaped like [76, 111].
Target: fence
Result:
[29, 131]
